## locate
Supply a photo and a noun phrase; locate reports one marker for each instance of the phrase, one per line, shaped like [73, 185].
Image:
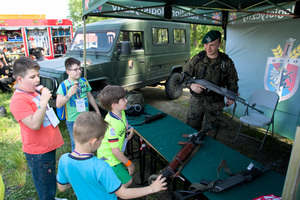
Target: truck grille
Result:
[50, 83]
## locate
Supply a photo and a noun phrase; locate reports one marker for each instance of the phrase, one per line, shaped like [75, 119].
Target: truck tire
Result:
[173, 88]
[102, 110]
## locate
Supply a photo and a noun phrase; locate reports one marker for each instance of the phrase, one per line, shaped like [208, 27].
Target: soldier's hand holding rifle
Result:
[197, 88]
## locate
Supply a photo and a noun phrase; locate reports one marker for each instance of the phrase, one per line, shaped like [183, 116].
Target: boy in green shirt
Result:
[76, 97]
[119, 132]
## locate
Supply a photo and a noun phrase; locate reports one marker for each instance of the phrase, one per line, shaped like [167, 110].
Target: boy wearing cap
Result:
[217, 68]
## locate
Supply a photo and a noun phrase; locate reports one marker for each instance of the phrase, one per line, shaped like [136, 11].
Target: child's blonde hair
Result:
[89, 125]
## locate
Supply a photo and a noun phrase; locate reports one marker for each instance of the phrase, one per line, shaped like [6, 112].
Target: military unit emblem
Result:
[282, 71]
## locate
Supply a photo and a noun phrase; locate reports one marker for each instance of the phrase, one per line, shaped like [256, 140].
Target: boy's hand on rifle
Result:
[197, 88]
[159, 184]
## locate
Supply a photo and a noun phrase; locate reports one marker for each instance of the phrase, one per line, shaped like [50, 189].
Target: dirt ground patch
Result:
[278, 148]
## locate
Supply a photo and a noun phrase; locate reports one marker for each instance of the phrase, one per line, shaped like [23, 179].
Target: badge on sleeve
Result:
[112, 132]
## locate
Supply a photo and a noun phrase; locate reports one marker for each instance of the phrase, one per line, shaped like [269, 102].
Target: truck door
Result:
[131, 66]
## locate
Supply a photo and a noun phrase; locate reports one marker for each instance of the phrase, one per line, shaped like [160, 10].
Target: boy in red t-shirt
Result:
[39, 126]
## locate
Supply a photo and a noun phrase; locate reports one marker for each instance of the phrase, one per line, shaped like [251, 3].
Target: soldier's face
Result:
[211, 48]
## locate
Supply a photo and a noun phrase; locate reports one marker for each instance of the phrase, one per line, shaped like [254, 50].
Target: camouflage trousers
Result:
[205, 114]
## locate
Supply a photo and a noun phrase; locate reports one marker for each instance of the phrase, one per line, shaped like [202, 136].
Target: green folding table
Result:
[163, 135]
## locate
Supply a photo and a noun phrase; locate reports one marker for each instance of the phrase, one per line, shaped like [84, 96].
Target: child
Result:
[76, 96]
[90, 177]
[112, 98]
[40, 133]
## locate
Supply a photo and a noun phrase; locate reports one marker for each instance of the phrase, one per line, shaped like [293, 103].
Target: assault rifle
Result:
[222, 91]
[151, 118]
[220, 185]
[182, 157]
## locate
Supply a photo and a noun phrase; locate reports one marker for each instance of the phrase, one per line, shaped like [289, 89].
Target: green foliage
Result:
[76, 13]
[198, 32]
[13, 165]
[195, 50]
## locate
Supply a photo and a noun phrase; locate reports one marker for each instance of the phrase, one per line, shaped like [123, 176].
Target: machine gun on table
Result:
[151, 118]
[220, 185]
[222, 91]
[183, 156]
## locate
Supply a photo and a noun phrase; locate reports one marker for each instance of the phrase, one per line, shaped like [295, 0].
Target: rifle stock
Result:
[224, 92]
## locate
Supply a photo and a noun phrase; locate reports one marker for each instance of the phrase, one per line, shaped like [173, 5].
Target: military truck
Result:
[126, 52]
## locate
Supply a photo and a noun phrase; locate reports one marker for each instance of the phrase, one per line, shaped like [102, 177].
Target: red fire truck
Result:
[18, 36]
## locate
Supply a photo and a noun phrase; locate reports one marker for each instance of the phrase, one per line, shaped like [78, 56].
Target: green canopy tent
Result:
[206, 12]
[209, 12]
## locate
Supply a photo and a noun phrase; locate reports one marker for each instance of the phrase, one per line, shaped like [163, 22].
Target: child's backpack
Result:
[62, 111]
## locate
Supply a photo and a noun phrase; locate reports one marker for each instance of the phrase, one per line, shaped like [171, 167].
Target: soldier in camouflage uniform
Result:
[217, 68]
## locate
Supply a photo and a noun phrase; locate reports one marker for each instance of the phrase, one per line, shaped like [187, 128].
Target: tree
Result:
[76, 13]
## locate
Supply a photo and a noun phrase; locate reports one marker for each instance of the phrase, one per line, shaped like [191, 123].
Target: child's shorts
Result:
[122, 173]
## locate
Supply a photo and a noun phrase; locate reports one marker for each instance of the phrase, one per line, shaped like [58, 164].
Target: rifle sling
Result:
[233, 110]
[202, 187]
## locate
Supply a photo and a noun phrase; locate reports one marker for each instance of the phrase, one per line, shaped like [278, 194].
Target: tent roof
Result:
[211, 12]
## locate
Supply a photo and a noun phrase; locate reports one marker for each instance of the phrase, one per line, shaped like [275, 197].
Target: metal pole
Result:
[291, 186]
[84, 47]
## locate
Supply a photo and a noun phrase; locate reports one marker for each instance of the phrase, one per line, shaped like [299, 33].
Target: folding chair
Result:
[260, 99]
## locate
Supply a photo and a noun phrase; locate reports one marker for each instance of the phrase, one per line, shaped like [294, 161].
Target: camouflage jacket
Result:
[223, 75]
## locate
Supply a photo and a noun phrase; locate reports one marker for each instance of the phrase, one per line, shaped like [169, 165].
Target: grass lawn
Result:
[13, 165]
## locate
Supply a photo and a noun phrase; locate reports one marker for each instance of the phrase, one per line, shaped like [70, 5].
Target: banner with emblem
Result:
[267, 56]
[282, 76]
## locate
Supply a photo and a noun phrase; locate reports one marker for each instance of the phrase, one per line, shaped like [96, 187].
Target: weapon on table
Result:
[182, 157]
[151, 118]
[219, 185]
[222, 91]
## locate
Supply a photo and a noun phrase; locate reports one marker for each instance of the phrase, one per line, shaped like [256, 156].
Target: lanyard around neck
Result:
[83, 154]
[116, 116]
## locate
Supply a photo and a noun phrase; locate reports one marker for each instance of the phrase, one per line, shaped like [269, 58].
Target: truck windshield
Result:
[99, 41]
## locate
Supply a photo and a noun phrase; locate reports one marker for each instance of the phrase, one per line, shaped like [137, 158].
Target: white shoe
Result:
[56, 198]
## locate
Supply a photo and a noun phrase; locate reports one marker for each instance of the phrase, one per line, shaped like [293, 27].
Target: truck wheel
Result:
[103, 111]
[173, 88]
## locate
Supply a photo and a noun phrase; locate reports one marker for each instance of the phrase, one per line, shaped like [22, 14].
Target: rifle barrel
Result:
[224, 92]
